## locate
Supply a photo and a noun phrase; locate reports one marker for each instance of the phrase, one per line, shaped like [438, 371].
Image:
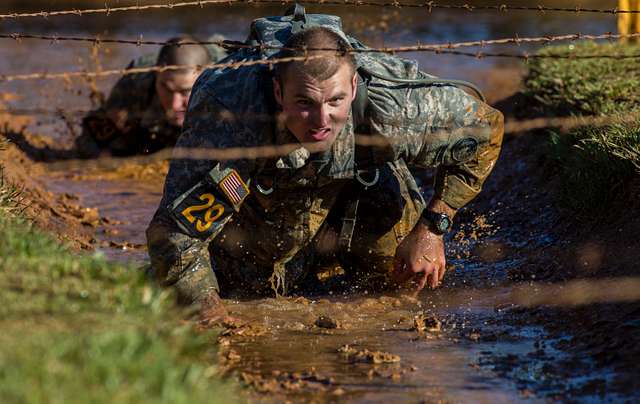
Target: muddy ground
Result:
[484, 336]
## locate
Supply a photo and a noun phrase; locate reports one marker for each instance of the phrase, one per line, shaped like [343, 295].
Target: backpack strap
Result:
[364, 162]
[366, 158]
[360, 105]
[299, 18]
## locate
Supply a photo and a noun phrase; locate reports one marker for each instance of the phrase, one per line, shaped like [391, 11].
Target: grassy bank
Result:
[79, 329]
[597, 165]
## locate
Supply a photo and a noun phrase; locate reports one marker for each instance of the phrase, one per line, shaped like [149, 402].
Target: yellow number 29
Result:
[209, 216]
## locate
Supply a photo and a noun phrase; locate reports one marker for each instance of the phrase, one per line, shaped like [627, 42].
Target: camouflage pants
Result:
[387, 212]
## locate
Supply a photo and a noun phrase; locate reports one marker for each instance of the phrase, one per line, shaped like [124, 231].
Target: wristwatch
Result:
[439, 223]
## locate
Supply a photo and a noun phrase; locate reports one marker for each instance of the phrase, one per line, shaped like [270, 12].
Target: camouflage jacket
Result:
[424, 126]
[132, 120]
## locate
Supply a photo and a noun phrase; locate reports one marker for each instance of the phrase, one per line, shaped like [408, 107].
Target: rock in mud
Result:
[394, 374]
[365, 356]
[88, 216]
[427, 323]
[327, 322]
[284, 381]
[237, 329]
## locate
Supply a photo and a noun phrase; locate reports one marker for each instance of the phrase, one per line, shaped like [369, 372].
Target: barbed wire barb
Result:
[513, 128]
[235, 65]
[262, 47]
[430, 6]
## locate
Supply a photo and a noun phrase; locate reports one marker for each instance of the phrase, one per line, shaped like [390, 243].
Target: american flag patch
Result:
[234, 188]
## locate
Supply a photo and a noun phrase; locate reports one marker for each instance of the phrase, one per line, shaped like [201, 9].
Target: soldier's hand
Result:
[420, 258]
[213, 313]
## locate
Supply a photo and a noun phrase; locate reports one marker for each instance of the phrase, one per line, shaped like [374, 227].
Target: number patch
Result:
[208, 219]
[200, 212]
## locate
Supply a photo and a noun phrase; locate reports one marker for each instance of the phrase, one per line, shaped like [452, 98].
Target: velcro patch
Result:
[233, 187]
[202, 211]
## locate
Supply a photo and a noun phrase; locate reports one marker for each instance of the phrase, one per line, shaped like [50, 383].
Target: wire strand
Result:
[408, 48]
[513, 128]
[273, 61]
[427, 5]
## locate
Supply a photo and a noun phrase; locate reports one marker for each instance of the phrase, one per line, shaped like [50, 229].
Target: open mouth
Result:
[320, 134]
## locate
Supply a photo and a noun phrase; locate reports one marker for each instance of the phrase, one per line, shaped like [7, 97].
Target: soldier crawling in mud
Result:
[145, 111]
[257, 225]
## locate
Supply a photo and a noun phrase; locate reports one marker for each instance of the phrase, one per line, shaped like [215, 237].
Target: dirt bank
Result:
[79, 204]
[59, 214]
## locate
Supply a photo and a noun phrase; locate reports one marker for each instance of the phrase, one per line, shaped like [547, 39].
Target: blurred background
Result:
[375, 26]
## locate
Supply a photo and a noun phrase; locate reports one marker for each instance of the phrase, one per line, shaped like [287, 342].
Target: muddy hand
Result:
[420, 258]
[213, 313]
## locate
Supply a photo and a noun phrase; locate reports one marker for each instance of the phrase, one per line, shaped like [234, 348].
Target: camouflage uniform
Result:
[285, 233]
[132, 120]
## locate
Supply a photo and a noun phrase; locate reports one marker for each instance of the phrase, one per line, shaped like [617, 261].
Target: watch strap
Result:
[439, 223]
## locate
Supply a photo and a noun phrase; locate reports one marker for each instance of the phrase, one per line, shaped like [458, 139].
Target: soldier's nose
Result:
[321, 117]
[177, 102]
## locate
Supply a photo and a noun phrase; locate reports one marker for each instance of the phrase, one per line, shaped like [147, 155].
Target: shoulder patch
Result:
[234, 188]
[464, 150]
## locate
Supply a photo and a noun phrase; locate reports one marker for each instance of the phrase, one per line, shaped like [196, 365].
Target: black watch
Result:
[439, 223]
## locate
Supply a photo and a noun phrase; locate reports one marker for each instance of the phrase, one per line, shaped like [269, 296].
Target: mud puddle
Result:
[442, 345]
[464, 342]
[123, 207]
[441, 361]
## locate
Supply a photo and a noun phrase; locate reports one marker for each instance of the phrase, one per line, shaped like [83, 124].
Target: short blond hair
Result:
[320, 40]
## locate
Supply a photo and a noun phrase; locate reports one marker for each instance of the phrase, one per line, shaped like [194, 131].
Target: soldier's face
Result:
[173, 89]
[316, 111]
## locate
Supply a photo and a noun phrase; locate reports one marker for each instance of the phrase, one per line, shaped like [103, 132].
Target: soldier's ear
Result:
[277, 91]
[354, 86]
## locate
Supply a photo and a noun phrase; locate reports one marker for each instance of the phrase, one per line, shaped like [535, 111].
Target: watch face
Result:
[440, 222]
[443, 224]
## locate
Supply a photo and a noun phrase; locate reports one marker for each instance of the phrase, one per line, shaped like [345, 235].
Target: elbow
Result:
[491, 151]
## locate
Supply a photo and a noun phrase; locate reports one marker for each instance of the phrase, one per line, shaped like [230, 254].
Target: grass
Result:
[10, 201]
[560, 87]
[597, 165]
[80, 329]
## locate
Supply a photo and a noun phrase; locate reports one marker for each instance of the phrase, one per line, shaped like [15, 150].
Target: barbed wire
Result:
[513, 128]
[273, 61]
[134, 70]
[43, 111]
[427, 5]
[409, 48]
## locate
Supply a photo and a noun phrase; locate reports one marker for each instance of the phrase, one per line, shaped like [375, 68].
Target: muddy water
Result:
[285, 352]
[125, 207]
[433, 365]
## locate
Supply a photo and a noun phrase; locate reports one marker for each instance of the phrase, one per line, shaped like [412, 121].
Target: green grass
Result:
[560, 87]
[597, 165]
[10, 201]
[79, 329]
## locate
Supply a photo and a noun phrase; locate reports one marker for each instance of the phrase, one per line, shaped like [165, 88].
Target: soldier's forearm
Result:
[180, 261]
